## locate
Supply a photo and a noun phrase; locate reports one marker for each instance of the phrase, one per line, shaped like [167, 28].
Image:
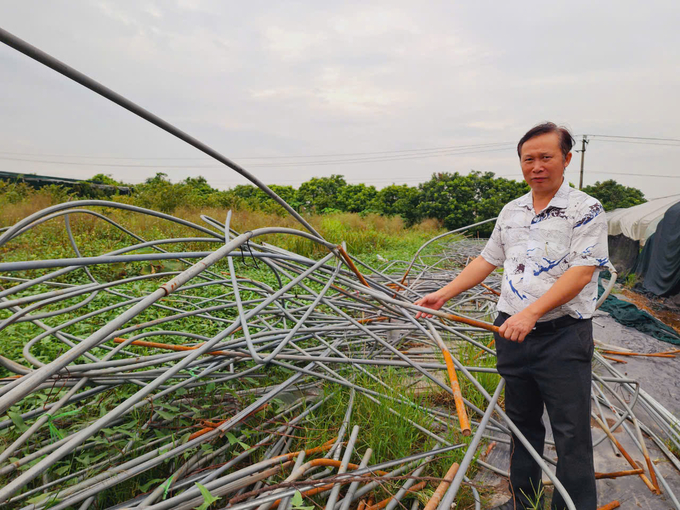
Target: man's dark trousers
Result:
[552, 367]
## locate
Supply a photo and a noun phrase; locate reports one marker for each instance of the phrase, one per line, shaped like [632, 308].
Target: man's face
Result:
[543, 164]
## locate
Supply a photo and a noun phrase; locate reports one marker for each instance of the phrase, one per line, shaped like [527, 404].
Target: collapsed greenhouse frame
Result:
[338, 313]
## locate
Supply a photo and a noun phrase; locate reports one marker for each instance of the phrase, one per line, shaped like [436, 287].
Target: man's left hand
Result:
[517, 327]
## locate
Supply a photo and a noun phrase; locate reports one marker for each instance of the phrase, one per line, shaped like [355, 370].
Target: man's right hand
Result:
[434, 301]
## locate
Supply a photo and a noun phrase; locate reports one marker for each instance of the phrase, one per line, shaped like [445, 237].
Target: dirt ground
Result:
[664, 314]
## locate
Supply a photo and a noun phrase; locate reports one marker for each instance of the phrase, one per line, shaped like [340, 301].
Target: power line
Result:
[405, 152]
[341, 154]
[363, 181]
[376, 160]
[373, 157]
[632, 142]
[42, 155]
[638, 175]
[638, 138]
[114, 165]
[667, 196]
[451, 152]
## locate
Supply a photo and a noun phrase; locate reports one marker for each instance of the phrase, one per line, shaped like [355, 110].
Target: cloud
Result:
[340, 91]
[292, 44]
[153, 10]
[496, 125]
[374, 21]
[354, 76]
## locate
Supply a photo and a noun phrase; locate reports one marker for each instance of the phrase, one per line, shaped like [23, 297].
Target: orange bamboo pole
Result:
[351, 265]
[645, 454]
[173, 347]
[616, 474]
[442, 487]
[614, 359]
[652, 474]
[308, 493]
[327, 487]
[324, 447]
[463, 419]
[624, 453]
[404, 277]
[372, 319]
[471, 322]
[610, 506]
[201, 432]
[494, 291]
[209, 426]
[646, 354]
[336, 463]
[450, 316]
[382, 504]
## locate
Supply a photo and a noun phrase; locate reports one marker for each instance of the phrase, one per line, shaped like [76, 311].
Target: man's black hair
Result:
[566, 140]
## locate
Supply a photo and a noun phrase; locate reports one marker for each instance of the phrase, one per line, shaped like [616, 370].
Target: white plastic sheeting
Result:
[639, 222]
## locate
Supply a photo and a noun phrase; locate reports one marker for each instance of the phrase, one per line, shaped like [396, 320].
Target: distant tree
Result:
[356, 198]
[199, 185]
[492, 194]
[613, 195]
[321, 193]
[247, 195]
[399, 199]
[287, 193]
[106, 179]
[245, 191]
[159, 178]
[449, 197]
[160, 194]
[459, 200]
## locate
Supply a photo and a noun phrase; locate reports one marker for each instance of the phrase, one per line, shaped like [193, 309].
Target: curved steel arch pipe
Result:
[64, 69]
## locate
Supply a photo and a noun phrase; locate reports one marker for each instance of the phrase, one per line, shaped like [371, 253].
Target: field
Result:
[384, 419]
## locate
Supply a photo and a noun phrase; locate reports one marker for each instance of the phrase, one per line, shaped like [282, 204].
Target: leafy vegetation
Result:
[452, 199]
[613, 195]
[390, 223]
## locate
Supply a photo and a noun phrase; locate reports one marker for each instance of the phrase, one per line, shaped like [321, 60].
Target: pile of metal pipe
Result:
[105, 406]
[166, 338]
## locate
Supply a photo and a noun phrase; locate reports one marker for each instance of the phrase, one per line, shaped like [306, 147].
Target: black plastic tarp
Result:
[631, 316]
[623, 252]
[659, 262]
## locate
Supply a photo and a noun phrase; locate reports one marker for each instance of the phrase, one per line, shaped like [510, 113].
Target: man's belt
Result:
[555, 324]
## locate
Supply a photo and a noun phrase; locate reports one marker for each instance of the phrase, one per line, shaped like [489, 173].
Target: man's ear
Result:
[567, 160]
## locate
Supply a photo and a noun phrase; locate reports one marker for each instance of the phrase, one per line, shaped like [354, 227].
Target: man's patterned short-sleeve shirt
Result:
[536, 249]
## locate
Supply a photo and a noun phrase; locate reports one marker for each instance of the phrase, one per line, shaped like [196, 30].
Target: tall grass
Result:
[364, 234]
[18, 200]
[389, 435]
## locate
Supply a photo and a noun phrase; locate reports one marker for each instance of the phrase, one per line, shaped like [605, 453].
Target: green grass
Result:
[390, 436]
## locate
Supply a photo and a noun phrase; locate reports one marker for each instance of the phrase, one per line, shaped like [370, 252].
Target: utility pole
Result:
[584, 142]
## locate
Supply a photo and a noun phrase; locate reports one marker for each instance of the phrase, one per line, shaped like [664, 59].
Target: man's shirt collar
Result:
[559, 201]
[561, 198]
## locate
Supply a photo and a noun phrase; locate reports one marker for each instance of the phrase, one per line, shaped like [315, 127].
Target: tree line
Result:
[453, 199]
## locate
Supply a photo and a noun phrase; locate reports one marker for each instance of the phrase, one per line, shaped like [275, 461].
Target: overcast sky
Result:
[266, 83]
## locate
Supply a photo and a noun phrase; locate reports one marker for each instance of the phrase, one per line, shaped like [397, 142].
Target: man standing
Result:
[551, 242]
